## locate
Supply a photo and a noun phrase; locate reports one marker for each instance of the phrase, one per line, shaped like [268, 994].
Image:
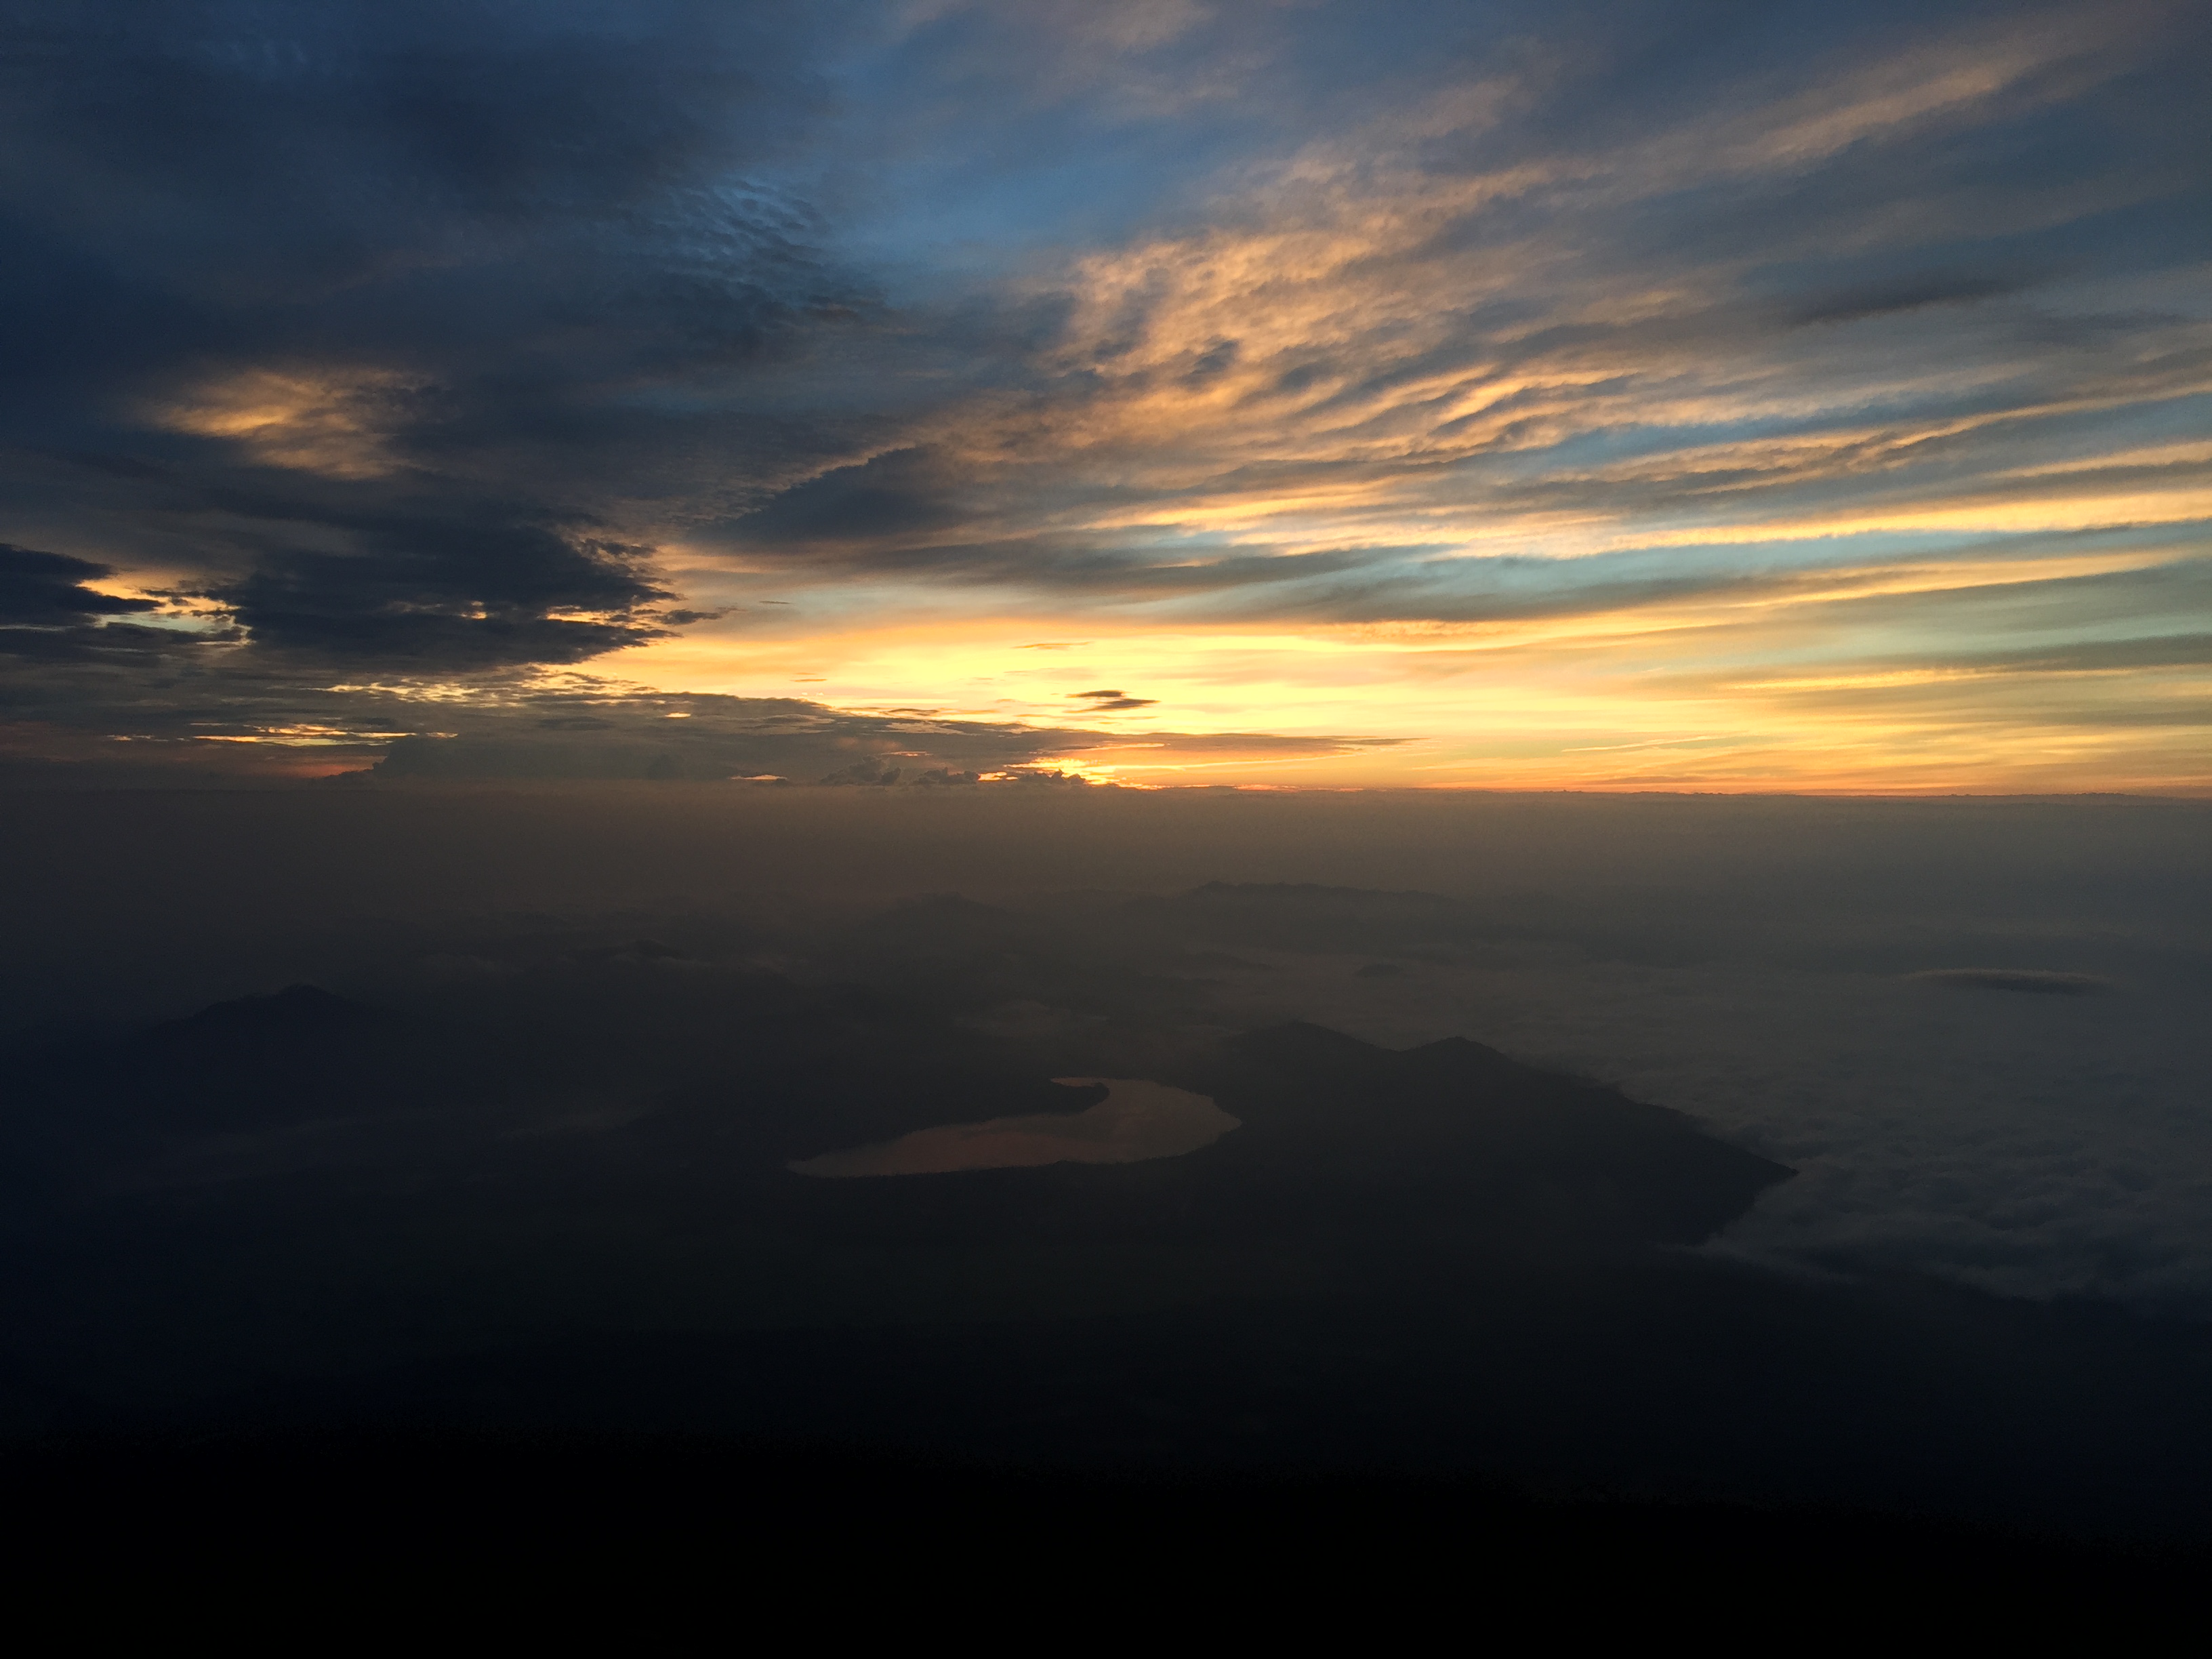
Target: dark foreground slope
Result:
[1434, 1272]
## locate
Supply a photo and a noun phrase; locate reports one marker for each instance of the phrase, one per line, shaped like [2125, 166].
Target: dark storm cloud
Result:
[355, 308]
[433, 587]
[1910, 293]
[611, 731]
[1109, 700]
[630, 734]
[2040, 982]
[50, 616]
[890, 502]
[49, 589]
[410, 177]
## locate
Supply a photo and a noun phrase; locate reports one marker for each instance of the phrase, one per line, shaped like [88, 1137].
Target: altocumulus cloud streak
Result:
[1696, 397]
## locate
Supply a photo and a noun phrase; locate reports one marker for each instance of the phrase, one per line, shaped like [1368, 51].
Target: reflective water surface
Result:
[1136, 1121]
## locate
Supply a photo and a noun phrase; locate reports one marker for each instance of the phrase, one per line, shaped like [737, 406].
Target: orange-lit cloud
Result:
[335, 422]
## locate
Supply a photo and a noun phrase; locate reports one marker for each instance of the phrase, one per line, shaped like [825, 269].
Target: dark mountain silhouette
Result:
[254, 1063]
[295, 1011]
[261, 1062]
[1439, 1260]
[1455, 1124]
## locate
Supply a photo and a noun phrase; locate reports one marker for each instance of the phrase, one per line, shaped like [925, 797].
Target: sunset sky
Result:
[1456, 752]
[1704, 397]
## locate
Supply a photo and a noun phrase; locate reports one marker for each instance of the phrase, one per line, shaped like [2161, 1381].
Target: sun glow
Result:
[1860, 678]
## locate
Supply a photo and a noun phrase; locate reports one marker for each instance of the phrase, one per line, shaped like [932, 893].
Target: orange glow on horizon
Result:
[1834, 680]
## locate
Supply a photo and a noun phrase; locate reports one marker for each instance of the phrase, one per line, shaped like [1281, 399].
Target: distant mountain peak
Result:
[1309, 892]
[1303, 1041]
[301, 1007]
[1459, 1047]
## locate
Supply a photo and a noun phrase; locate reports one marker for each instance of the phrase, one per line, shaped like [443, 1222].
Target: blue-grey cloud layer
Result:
[487, 237]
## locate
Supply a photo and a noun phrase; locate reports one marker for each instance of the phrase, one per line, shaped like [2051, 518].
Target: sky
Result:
[1684, 397]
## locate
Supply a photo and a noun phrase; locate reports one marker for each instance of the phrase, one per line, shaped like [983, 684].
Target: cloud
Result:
[49, 589]
[432, 586]
[1559, 327]
[1105, 702]
[1907, 294]
[889, 501]
[54, 626]
[2041, 982]
[360, 330]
